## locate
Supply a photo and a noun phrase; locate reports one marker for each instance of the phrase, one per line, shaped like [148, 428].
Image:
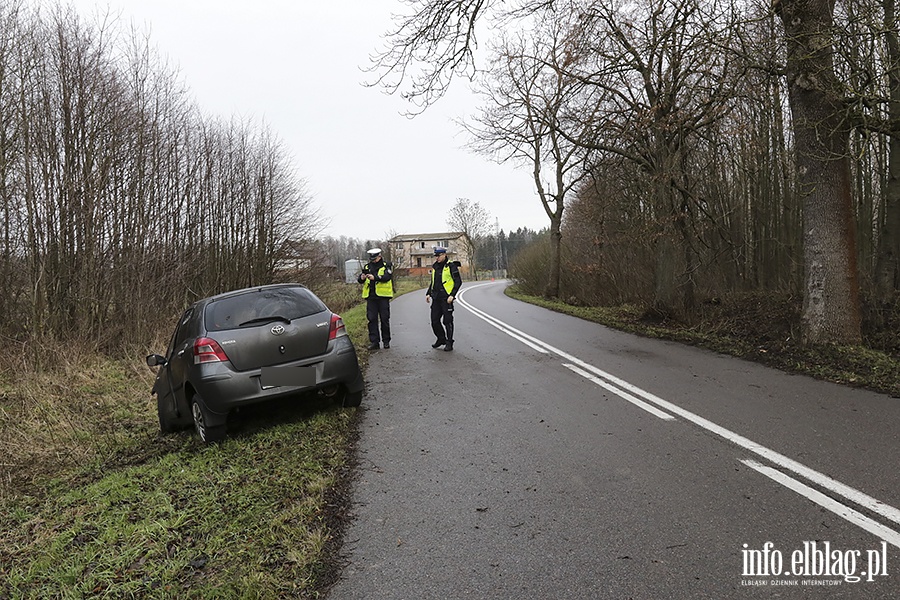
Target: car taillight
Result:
[208, 350]
[337, 327]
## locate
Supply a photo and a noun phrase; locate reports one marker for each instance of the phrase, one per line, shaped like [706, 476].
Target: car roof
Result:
[258, 288]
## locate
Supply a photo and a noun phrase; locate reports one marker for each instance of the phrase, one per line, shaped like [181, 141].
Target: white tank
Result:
[352, 269]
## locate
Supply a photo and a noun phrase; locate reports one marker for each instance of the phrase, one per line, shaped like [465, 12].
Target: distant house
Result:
[414, 253]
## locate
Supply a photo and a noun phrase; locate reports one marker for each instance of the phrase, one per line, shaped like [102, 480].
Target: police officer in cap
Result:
[378, 291]
[445, 284]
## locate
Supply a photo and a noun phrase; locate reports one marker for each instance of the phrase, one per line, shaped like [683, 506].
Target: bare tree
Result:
[656, 78]
[533, 115]
[122, 203]
[475, 221]
[344, 248]
[428, 47]
[435, 42]
[868, 62]
[12, 36]
[887, 268]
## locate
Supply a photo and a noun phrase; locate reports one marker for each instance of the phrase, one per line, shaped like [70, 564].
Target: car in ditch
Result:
[249, 346]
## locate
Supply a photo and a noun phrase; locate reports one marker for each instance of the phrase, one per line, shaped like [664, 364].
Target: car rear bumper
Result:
[224, 389]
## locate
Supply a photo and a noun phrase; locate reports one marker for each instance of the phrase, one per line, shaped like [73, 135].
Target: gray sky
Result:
[296, 65]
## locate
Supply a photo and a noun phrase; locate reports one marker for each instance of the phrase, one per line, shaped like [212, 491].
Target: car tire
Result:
[352, 399]
[168, 422]
[208, 434]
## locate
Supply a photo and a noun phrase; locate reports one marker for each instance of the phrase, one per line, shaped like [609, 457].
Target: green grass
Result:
[245, 518]
[94, 503]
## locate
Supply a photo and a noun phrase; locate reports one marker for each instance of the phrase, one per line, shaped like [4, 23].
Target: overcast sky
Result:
[296, 65]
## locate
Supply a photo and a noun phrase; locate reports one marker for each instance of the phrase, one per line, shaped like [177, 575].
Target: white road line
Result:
[492, 321]
[624, 395]
[841, 510]
[820, 479]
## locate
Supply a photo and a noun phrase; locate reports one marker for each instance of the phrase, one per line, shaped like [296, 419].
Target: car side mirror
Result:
[155, 360]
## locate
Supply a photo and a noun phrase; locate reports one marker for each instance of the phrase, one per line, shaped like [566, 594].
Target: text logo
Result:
[815, 560]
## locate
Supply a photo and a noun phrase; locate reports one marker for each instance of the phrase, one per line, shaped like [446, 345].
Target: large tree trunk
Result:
[666, 265]
[552, 290]
[831, 310]
[686, 287]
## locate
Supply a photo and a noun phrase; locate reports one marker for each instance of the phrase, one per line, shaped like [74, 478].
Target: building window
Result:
[444, 243]
[423, 245]
[419, 262]
[399, 246]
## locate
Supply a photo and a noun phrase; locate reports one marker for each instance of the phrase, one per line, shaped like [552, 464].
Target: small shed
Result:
[352, 269]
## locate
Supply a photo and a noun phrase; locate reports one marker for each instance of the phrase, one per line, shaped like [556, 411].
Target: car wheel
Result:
[352, 399]
[207, 433]
[168, 423]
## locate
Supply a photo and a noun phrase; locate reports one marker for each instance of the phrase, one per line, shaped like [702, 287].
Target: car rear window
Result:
[254, 308]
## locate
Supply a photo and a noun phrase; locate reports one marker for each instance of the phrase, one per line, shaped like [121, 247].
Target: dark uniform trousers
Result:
[440, 308]
[378, 309]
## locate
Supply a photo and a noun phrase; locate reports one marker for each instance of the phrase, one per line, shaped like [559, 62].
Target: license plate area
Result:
[271, 377]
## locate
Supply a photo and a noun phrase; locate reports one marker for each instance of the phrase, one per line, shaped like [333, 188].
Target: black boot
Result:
[374, 346]
[438, 343]
[448, 347]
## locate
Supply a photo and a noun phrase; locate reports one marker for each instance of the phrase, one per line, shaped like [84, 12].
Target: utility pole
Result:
[498, 249]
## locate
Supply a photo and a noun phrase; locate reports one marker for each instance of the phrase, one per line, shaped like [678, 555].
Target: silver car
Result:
[249, 346]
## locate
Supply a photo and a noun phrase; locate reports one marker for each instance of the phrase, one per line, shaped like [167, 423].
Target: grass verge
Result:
[91, 508]
[94, 503]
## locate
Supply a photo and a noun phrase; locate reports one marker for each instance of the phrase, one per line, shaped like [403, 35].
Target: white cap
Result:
[374, 252]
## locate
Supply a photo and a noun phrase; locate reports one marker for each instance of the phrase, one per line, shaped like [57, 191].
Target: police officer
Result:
[378, 291]
[445, 283]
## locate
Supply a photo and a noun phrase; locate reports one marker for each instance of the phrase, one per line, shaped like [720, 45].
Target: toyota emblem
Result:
[277, 330]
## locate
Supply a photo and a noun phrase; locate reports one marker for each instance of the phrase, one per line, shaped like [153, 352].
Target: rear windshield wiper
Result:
[265, 320]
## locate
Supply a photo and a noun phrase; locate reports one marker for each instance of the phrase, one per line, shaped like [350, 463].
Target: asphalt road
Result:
[551, 458]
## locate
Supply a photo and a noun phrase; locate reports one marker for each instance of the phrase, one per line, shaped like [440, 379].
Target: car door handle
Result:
[180, 352]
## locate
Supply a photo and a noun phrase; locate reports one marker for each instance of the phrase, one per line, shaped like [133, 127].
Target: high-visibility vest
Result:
[446, 278]
[384, 289]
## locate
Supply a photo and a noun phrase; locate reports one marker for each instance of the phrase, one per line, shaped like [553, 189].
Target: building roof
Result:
[414, 237]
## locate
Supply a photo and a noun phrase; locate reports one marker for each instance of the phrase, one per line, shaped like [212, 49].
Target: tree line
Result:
[121, 201]
[685, 149]
[497, 250]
